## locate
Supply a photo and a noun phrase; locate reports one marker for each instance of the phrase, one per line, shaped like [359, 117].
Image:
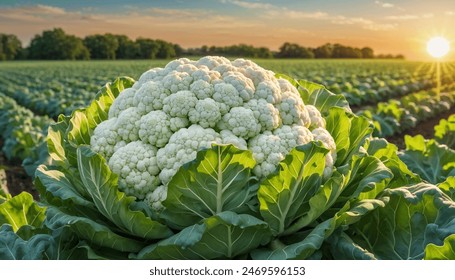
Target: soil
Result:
[425, 128]
[16, 177]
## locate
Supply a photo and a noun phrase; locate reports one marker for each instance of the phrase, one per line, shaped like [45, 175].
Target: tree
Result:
[55, 44]
[125, 45]
[148, 48]
[288, 50]
[102, 46]
[367, 52]
[10, 47]
[324, 51]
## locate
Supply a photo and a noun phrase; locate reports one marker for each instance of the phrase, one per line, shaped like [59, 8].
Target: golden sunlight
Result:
[438, 47]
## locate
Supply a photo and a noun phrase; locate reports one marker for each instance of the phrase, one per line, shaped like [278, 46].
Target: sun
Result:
[438, 47]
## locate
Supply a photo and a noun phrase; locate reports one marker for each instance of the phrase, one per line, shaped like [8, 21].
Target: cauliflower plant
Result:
[170, 113]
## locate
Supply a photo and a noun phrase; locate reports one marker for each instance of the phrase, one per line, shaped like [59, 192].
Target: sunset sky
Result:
[400, 26]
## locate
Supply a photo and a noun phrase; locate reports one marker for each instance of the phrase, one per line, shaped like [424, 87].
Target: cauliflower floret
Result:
[202, 89]
[128, 124]
[205, 74]
[182, 147]
[267, 151]
[155, 198]
[155, 74]
[155, 128]
[241, 122]
[242, 84]
[227, 97]
[315, 117]
[285, 85]
[105, 138]
[244, 63]
[206, 113]
[292, 110]
[177, 81]
[187, 68]
[227, 137]
[223, 68]
[265, 113]
[212, 61]
[178, 123]
[320, 134]
[179, 104]
[292, 136]
[174, 64]
[149, 97]
[136, 166]
[123, 101]
[269, 91]
[257, 74]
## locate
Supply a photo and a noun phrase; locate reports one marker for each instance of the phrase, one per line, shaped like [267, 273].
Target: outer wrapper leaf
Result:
[96, 234]
[216, 181]
[444, 252]
[314, 238]
[448, 187]
[348, 131]
[387, 153]
[21, 210]
[414, 217]
[101, 184]
[284, 195]
[223, 236]
[433, 162]
[13, 247]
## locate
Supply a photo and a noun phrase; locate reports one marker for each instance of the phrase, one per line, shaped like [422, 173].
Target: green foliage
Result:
[430, 160]
[414, 217]
[56, 44]
[217, 180]
[444, 132]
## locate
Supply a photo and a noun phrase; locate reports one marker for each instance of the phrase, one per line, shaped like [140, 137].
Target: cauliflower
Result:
[320, 134]
[182, 147]
[136, 165]
[265, 113]
[292, 110]
[271, 148]
[267, 152]
[105, 139]
[241, 122]
[128, 124]
[180, 103]
[316, 119]
[206, 113]
[156, 197]
[150, 97]
[171, 113]
[124, 101]
[155, 128]
[227, 97]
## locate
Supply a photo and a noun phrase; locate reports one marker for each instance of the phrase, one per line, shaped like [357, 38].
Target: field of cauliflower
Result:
[223, 159]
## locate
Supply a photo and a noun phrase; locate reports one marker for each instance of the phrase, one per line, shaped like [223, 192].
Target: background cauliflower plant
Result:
[170, 113]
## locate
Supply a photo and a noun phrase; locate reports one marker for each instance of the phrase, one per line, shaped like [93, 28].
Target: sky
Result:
[389, 26]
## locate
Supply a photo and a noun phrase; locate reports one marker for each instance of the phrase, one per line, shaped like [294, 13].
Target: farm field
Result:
[392, 99]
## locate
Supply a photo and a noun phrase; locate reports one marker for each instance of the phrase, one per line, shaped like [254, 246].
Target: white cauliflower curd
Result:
[170, 113]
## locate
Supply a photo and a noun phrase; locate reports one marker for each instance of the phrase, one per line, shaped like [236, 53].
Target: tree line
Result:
[57, 45]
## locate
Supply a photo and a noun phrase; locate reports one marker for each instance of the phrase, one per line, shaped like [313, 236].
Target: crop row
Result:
[23, 133]
[59, 88]
[396, 116]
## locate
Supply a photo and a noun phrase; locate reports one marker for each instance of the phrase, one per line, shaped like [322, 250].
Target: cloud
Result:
[365, 23]
[410, 17]
[449, 13]
[384, 5]
[250, 5]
